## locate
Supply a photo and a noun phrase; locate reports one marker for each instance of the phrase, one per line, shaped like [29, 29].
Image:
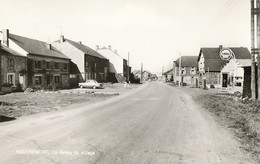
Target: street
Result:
[154, 124]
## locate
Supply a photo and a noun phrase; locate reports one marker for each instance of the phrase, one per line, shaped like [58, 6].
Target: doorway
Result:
[224, 80]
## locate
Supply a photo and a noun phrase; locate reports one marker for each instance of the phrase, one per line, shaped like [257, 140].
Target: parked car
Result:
[91, 84]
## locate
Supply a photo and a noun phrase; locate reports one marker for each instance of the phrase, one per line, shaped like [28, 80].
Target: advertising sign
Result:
[226, 54]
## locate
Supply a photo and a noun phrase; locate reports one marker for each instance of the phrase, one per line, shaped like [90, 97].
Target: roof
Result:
[107, 52]
[244, 62]
[187, 61]
[36, 47]
[85, 49]
[167, 72]
[11, 51]
[214, 63]
[213, 53]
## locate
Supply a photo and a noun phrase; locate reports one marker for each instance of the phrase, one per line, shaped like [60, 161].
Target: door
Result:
[21, 79]
[49, 79]
[224, 80]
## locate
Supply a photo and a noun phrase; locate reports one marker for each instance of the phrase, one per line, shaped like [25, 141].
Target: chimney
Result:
[48, 46]
[61, 38]
[97, 47]
[79, 42]
[220, 47]
[6, 37]
[109, 47]
[116, 51]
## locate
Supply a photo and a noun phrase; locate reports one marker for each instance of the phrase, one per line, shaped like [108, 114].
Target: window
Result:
[183, 70]
[10, 78]
[56, 65]
[193, 70]
[48, 65]
[73, 76]
[56, 79]
[38, 79]
[10, 63]
[65, 66]
[38, 64]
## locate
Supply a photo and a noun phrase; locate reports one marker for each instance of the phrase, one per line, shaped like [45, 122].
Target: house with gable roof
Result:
[118, 66]
[86, 63]
[13, 72]
[210, 63]
[185, 70]
[168, 75]
[46, 66]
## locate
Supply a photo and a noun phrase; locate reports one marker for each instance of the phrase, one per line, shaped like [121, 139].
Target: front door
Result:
[21, 79]
[224, 80]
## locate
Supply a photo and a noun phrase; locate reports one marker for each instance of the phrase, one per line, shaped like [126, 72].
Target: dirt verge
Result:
[240, 117]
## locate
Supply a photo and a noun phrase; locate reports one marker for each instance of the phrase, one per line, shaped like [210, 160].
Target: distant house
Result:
[145, 74]
[118, 66]
[86, 63]
[185, 70]
[210, 62]
[46, 66]
[168, 75]
[13, 70]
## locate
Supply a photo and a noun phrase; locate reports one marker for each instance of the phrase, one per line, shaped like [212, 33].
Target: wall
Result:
[48, 75]
[19, 68]
[201, 63]
[213, 77]
[96, 68]
[76, 56]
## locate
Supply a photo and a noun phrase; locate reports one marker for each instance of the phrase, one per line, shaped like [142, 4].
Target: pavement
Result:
[155, 123]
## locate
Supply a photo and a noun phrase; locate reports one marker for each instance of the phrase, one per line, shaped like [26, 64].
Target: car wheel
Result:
[94, 87]
[81, 86]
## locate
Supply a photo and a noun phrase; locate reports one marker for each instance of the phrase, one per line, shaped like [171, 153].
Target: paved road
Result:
[156, 124]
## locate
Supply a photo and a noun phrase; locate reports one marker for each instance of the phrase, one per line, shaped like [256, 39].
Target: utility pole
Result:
[253, 51]
[180, 73]
[162, 71]
[258, 48]
[141, 80]
[128, 73]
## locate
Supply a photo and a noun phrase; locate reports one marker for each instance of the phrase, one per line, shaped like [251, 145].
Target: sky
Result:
[153, 32]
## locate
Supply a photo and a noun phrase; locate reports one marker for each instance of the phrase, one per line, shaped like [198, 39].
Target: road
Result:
[154, 124]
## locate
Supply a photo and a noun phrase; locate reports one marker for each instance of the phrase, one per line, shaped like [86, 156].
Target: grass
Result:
[243, 119]
[22, 104]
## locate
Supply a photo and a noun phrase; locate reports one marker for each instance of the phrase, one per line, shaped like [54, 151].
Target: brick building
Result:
[46, 66]
[13, 70]
[85, 62]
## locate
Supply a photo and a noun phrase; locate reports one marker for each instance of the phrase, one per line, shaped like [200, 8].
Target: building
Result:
[86, 63]
[47, 68]
[212, 60]
[232, 75]
[185, 70]
[13, 72]
[118, 66]
[168, 75]
[144, 76]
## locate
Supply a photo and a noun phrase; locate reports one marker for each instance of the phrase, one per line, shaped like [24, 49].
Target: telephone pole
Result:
[141, 80]
[128, 73]
[254, 49]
